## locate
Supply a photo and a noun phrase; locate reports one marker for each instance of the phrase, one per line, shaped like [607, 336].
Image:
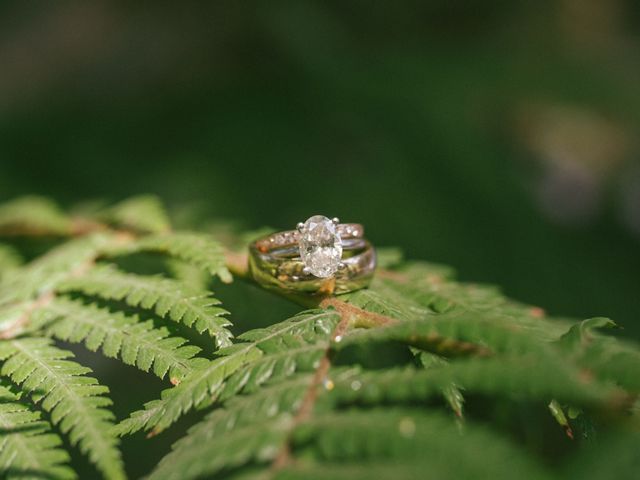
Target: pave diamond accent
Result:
[320, 246]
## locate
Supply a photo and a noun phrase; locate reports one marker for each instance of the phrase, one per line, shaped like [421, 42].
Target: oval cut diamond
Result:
[320, 246]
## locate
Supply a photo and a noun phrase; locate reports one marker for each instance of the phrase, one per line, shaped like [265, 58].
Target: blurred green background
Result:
[496, 136]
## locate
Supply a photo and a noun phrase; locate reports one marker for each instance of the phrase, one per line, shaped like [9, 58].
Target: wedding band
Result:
[320, 257]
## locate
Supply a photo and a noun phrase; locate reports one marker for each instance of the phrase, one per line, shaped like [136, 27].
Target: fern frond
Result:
[198, 249]
[430, 287]
[253, 428]
[607, 357]
[248, 427]
[143, 213]
[451, 392]
[453, 334]
[331, 440]
[434, 285]
[262, 351]
[187, 273]
[9, 259]
[77, 403]
[33, 215]
[135, 342]
[412, 469]
[612, 457]
[406, 436]
[169, 298]
[28, 446]
[343, 391]
[512, 377]
[45, 272]
[389, 304]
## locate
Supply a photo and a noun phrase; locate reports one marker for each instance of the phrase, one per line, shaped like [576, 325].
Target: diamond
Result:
[320, 246]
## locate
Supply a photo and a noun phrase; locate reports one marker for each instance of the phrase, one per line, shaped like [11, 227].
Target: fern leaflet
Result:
[167, 297]
[394, 437]
[285, 342]
[195, 248]
[33, 215]
[76, 402]
[350, 389]
[143, 213]
[28, 447]
[121, 336]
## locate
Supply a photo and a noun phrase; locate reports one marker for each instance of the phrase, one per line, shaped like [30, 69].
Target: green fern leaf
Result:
[9, 260]
[453, 334]
[143, 213]
[45, 272]
[196, 248]
[28, 447]
[396, 437]
[33, 215]
[605, 356]
[407, 292]
[248, 427]
[585, 332]
[451, 392]
[76, 402]
[354, 389]
[187, 273]
[254, 428]
[389, 304]
[135, 342]
[615, 456]
[282, 345]
[167, 297]
[514, 377]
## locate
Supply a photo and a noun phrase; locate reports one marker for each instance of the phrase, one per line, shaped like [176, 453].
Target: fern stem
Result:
[283, 458]
[359, 318]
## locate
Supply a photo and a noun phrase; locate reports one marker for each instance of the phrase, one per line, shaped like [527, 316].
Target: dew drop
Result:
[272, 410]
[407, 427]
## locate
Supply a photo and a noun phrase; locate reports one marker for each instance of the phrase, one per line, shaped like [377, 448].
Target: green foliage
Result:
[249, 428]
[197, 249]
[278, 350]
[425, 441]
[167, 297]
[134, 341]
[9, 259]
[360, 386]
[33, 214]
[144, 213]
[29, 447]
[75, 402]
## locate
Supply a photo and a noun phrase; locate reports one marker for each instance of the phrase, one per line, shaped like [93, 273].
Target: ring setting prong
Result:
[306, 271]
[299, 226]
[342, 266]
[335, 220]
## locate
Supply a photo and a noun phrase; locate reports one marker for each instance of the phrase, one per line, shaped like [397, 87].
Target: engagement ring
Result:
[321, 256]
